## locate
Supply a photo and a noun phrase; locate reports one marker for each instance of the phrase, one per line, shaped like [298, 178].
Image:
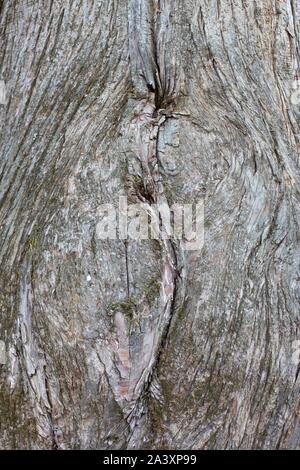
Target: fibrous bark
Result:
[122, 344]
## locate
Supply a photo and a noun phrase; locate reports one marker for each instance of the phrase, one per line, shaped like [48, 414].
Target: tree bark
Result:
[113, 344]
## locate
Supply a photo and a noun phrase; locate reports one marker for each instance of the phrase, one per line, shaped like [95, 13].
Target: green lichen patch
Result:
[127, 307]
[152, 290]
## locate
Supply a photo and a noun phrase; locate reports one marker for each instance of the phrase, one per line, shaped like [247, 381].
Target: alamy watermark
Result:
[157, 221]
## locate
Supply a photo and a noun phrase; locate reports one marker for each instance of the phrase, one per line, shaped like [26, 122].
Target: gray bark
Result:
[123, 344]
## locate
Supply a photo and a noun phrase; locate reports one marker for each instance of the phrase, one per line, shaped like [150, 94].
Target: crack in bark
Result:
[151, 113]
[55, 444]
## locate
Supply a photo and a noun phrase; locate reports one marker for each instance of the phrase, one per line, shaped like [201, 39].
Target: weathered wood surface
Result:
[120, 345]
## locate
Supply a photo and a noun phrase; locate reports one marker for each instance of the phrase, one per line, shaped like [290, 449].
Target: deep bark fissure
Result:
[152, 112]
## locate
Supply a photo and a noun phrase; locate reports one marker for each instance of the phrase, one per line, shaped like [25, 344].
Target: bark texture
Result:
[122, 344]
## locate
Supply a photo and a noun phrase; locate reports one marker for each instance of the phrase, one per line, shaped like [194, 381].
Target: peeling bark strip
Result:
[149, 345]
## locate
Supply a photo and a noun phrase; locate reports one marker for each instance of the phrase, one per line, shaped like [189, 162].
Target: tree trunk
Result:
[110, 344]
